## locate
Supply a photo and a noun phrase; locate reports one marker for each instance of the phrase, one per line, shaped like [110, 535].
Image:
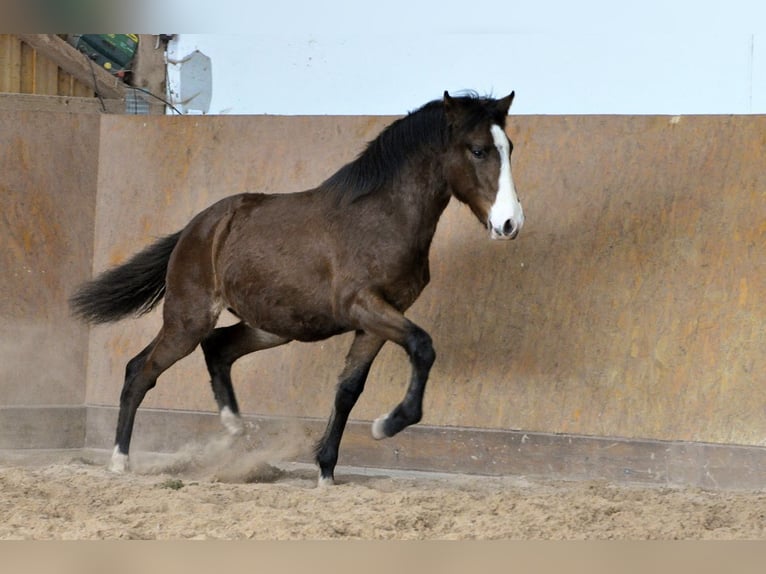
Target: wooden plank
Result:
[149, 69]
[18, 60]
[69, 86]
[75, 63]
[27, 69]
[65, 83]
[74, 104]
[5, 64]
[81, 90]
[46, 77]
[10, 63]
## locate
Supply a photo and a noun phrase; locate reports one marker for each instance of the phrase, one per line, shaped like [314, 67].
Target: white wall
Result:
[561, 58]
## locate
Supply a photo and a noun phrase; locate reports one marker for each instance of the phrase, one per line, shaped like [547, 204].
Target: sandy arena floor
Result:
[214, 491]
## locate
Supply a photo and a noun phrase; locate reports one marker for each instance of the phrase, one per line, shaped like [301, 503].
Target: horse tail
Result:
[133, 288]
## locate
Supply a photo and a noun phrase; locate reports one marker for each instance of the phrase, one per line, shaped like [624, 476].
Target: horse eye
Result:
[478, 152]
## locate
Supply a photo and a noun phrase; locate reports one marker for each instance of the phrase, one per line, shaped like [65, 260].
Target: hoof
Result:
[232, 422]
[119, 462]
[378, 431]
[325, 481]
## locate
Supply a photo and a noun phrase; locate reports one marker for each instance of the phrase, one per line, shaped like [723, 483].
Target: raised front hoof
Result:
[119, 463]
[379, 428]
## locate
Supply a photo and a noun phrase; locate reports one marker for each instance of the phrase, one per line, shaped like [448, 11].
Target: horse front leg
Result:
[420, 348]
[351, 382]
[379, 317]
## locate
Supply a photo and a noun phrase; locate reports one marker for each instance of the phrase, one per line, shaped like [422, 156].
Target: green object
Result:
[172, 484]
[114, 52]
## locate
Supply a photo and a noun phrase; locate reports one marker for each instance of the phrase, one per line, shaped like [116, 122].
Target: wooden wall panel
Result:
[630, 305]
[10, 63]
[23, 70]
[48, 167]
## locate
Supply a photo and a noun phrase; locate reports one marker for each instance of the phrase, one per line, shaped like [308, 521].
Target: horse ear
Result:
[450, 107]
[505, 104]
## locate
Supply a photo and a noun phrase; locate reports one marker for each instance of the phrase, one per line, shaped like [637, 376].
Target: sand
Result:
[224, 491]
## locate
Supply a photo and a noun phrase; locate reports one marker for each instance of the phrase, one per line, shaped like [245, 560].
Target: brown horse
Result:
[349, 255]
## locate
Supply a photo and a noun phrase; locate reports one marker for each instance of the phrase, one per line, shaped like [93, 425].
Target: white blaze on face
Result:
[506, 216]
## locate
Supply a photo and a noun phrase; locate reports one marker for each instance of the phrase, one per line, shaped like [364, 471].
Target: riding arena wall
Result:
[48, 170]
[620, 336]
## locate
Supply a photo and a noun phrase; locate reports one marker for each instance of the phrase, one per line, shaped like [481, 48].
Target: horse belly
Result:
[292, 322]
[286, 303]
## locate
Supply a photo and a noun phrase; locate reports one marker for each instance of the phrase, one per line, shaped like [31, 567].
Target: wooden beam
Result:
[73, 62]
[149, 69]
[80, 105]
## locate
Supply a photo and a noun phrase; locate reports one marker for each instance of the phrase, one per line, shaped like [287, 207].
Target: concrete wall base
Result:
[462, 450]
[42, 427]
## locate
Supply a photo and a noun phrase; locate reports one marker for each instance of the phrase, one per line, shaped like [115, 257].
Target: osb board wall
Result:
[630, 305]
[48, 168]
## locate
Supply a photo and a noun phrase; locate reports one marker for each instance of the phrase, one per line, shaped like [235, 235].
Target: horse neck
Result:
[422, 192]
[412, 199]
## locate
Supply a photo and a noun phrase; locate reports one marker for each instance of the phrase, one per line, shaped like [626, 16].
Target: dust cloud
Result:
[254, 456]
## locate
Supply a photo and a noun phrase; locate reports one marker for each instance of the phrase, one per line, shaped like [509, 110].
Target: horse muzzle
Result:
[508, 230]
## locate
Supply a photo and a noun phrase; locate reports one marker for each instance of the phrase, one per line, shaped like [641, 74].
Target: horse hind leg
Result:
[222, 348]
[133, 390]
[174, 341]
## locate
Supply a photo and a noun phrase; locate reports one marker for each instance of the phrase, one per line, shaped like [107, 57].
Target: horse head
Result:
[478, 162]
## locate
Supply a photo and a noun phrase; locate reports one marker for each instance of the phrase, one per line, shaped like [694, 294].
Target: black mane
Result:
[424, 128]
[387, 153]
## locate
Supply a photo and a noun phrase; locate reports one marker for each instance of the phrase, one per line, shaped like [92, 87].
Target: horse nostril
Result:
[508, 228]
